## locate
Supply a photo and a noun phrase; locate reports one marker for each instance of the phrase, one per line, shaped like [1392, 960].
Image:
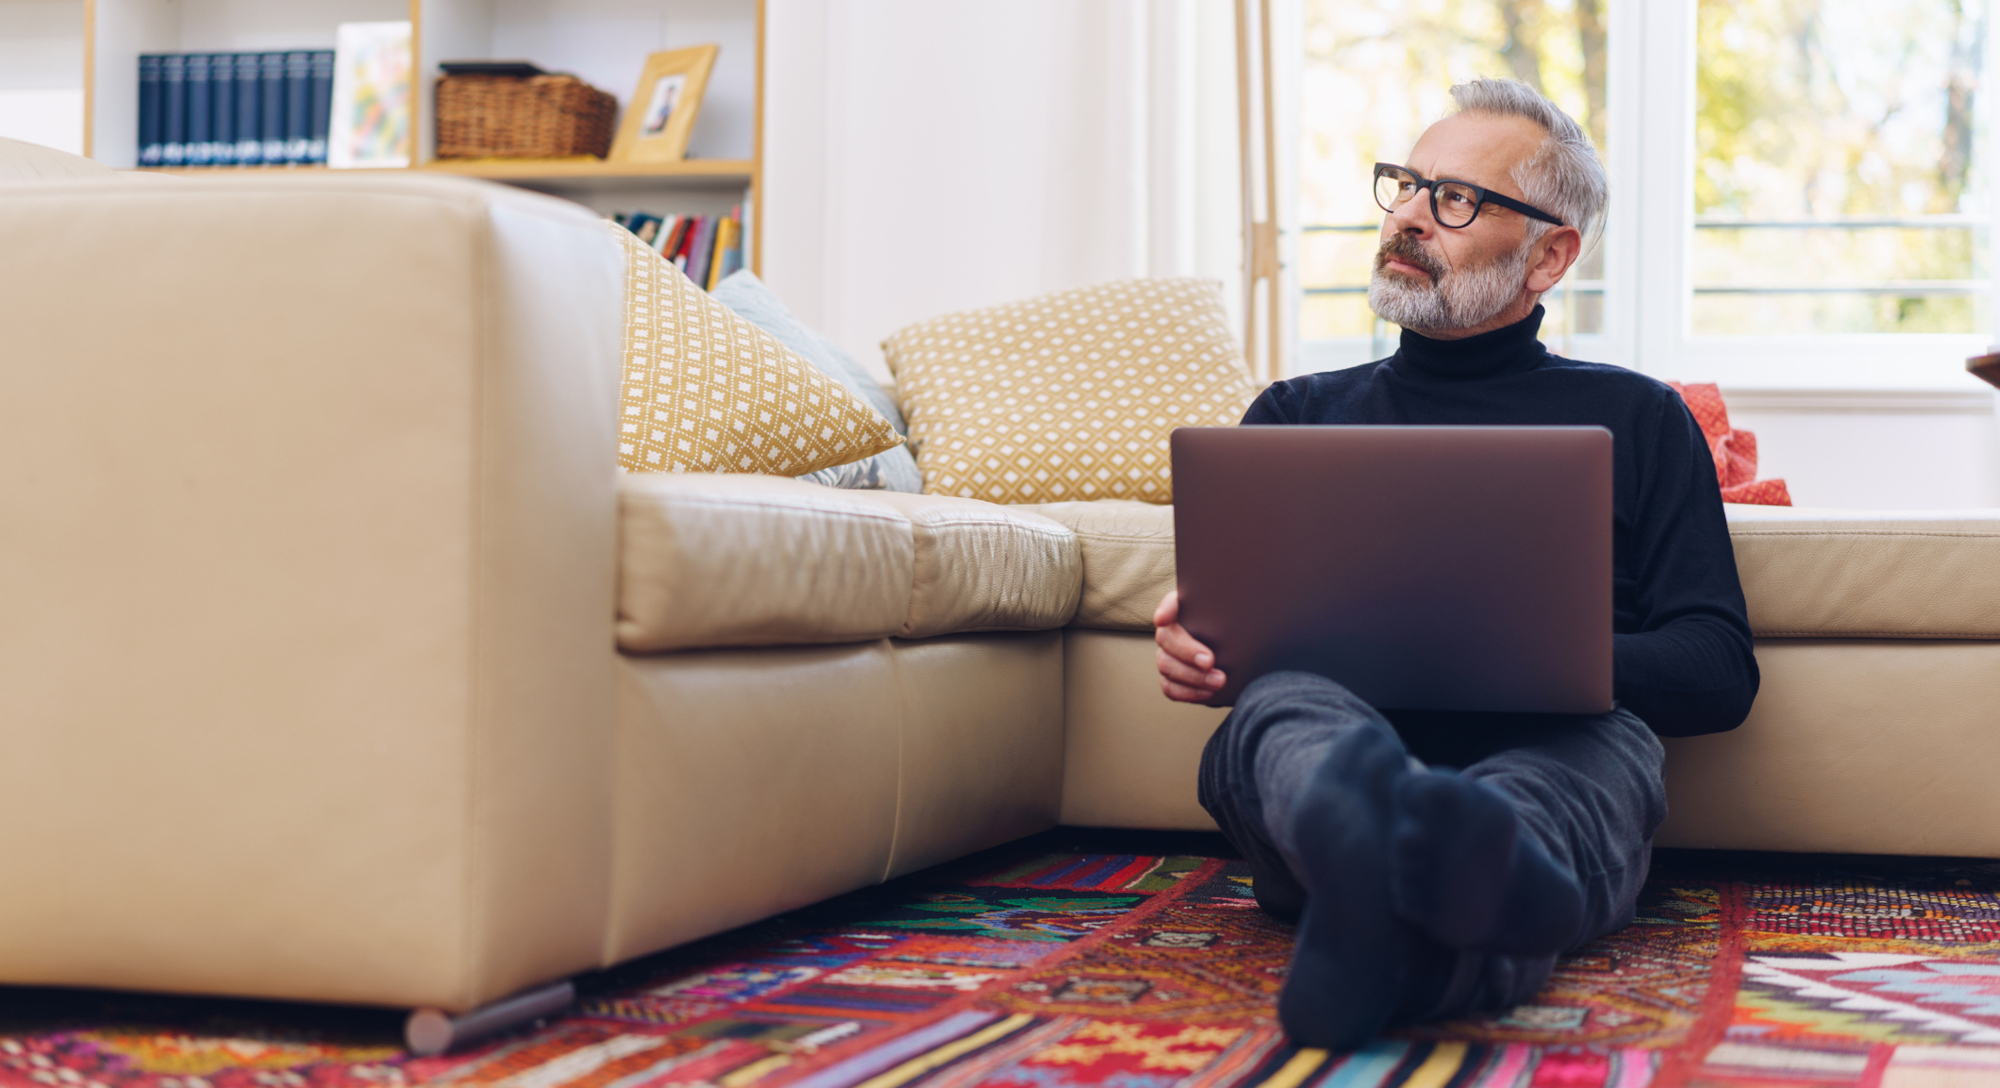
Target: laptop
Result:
[1425, 568]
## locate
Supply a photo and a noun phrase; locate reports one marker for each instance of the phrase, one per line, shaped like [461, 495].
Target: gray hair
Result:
[1564, 176]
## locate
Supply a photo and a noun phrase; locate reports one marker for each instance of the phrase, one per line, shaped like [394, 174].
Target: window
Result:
[1800, 188]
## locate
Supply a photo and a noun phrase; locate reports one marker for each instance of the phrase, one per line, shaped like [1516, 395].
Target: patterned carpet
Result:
[1127, 960]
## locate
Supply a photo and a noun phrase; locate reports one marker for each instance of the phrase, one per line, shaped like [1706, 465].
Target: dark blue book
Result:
[271, 105]
[173, 110]
[298, 105]
[249, 92]
[152, 100]
[222, 109]
[200, 112]
[322, 105]
[645, 225]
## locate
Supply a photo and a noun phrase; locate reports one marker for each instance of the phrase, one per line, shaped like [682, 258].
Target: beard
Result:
[1453, 299]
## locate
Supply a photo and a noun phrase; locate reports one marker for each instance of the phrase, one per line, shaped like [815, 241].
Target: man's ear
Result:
[1554, 253]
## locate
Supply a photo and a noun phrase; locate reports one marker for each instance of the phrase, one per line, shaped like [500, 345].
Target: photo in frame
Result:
[661, 115]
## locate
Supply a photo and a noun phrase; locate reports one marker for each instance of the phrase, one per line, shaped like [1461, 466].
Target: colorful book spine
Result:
[173, 128]
[668, 226]
[677, 243]
[701, 252]
[152, 107]
[249, 96]
[728, 244]
[734, 259]
[707, 248]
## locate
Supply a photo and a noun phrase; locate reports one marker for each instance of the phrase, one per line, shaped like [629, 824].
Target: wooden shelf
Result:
[580, 169]
[551, 171]
[217, 171]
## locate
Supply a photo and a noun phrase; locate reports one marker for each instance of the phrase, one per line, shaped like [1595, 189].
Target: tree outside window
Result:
[1835, 182]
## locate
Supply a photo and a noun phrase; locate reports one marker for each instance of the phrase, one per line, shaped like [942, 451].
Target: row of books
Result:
[706, 247]
[234, 109]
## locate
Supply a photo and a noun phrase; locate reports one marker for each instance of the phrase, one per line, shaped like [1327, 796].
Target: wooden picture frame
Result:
[660, 118]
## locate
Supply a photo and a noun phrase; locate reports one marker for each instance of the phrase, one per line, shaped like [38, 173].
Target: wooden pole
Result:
[1267, 230]
[90, 79]
[420, 85]
[1243, 141]
[756, 254]
[1260, 236]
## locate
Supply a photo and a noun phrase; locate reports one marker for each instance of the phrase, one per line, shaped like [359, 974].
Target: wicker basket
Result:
[510, 117]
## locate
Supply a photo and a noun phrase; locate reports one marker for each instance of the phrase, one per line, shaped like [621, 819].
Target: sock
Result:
[1357, 967]
[1463, 871]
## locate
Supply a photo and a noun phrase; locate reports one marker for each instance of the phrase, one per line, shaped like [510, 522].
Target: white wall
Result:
[1883, 452]
[924, 157]
[41, 72]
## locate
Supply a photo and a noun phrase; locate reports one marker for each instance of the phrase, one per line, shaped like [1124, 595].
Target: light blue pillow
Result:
[893, 470]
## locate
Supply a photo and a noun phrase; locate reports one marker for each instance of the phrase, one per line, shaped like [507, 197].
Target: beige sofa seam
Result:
[472, 968]
[902, 736]
[1956, 636]
[833, 510]
[1057, 532]
[1864, 532]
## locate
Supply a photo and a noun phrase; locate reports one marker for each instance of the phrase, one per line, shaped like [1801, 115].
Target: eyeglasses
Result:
[1454, 204]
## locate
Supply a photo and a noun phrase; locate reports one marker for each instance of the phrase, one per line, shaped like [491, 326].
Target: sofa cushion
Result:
[982, 567]
[1806, 573]
[1869, 574]
[1068, 395]
[712, 560]
[729, 560]
[893, 468]
[707, 391]
[1128, 559]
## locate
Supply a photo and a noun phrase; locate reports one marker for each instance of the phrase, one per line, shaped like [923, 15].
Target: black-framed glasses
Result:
[1454, 204]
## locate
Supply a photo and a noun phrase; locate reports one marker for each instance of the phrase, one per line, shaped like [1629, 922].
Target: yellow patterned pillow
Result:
[1069, 395]
[707, 391]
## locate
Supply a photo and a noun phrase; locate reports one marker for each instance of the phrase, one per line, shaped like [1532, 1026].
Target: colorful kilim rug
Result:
[1097, 960]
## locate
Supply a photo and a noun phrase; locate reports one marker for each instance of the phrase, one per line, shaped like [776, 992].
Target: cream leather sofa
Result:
[341, 665]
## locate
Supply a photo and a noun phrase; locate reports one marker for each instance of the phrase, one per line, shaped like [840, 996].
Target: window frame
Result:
[1650, 91]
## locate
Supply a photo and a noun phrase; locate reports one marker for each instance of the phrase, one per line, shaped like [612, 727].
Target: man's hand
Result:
[1187, 668]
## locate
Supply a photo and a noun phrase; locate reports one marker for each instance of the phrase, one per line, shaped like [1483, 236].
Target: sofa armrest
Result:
[306, 545]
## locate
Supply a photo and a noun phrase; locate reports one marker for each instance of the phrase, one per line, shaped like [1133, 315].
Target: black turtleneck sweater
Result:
[1682, 652]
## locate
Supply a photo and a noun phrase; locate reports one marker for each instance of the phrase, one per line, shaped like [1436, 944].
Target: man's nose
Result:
[1414, 216]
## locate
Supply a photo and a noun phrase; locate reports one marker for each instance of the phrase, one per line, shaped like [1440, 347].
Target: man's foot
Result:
[1463, 872]
[1356, 966]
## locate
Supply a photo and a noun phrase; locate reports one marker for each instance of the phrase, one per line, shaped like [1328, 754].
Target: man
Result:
[1438, 862]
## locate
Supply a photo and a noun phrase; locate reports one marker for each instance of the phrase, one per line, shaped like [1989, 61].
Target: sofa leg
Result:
[429, 1032]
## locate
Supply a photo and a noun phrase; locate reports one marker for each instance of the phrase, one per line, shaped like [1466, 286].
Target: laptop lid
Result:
[1425, 568]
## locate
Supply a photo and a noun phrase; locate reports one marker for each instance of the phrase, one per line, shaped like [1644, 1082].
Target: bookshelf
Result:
[605, 42]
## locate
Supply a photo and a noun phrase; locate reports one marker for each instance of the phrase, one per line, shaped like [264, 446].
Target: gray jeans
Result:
[1587, 788]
